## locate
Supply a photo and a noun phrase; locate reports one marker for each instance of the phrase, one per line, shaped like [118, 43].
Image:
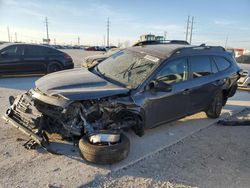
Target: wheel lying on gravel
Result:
[214, 109]
[104, 154]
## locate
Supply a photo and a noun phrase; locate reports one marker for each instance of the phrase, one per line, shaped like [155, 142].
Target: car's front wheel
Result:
[214, 109]
[104, 153]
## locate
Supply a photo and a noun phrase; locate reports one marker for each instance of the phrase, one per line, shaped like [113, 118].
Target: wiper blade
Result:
[131, 67]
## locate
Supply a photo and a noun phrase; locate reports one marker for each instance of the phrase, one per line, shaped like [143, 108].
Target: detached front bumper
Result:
[23, 115]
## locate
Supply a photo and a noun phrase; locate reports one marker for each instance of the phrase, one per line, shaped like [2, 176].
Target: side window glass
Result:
[214, 67]
[221, 63]
[11, 51]
[34, 51]
[200, 66]
[174, 71]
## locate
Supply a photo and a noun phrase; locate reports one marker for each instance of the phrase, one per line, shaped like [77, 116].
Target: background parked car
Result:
[244, 63]
[93, 60]
[96, 48]
[32, 59]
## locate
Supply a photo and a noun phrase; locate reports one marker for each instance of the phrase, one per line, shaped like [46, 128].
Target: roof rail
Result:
[141, 43]
[200, 47]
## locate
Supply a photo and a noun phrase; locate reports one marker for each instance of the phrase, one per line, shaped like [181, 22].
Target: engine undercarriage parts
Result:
[104, 154]
[99, 123]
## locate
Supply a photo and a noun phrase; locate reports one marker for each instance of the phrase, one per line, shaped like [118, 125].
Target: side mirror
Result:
[160, 86]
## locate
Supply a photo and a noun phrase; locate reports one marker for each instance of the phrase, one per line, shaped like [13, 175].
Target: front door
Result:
[11, 60]
[161, 107]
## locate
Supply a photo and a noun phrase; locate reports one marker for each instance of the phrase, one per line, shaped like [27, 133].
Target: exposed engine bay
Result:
[100, 119]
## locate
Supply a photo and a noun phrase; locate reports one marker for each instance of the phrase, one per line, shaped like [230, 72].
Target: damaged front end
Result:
[37, 115]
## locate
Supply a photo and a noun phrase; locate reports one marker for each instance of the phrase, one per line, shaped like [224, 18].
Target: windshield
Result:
[128, 67]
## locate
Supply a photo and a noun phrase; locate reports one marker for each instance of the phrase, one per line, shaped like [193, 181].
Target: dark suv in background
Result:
[32, 59]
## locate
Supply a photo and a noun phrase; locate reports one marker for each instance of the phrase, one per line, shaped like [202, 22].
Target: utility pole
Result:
[78, 41]
[15, 37]
[47, 29]
[8, 33]
[108, 25]
[104, 40]
[226, 42]
[54, 41]
[191, 31]
[165, 35]
[187, 29]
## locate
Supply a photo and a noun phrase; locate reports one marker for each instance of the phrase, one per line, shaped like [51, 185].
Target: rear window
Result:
[200, 66]
[222, 63]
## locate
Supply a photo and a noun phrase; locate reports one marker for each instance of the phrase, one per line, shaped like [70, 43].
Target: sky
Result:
[216, 22]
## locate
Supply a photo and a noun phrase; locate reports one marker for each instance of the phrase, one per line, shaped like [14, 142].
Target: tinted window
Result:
[174, 72]
[35, 51]
[200, 66]
[13, 50]
[221, 63]
[214, 67]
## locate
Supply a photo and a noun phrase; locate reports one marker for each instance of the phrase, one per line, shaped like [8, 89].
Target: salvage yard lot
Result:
[30, 168]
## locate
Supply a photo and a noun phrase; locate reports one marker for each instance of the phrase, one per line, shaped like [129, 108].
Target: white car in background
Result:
[244, 63]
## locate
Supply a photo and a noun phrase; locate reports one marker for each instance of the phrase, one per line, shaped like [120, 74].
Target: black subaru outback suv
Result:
[139, 87]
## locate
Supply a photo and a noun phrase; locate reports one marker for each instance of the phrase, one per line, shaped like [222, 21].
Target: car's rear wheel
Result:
[104, 153]
[54, 67]
[214, 109]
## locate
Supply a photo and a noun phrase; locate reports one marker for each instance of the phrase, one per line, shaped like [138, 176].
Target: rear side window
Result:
[200, 66]
[222, 63]
[35, 51]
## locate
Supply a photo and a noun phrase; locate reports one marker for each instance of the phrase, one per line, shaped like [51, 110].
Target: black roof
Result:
[164, 51]
[26, 44]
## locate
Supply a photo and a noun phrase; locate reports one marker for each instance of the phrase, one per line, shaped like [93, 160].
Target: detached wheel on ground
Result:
[54, 67]
[104, 154]
[214, 109]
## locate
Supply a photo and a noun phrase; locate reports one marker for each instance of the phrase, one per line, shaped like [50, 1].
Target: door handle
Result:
[186, 91]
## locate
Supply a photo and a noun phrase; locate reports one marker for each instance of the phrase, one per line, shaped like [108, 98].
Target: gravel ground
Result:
[218, 156]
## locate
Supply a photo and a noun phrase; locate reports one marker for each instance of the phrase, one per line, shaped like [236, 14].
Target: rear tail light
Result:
[66, 56]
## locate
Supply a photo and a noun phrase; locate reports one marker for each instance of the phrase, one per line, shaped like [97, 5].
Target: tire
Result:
[53, 67]
[214, 109]
[104, 154]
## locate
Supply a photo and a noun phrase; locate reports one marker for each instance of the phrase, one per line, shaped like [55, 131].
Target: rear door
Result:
[11, 60]
[204, 84]
[35, 58]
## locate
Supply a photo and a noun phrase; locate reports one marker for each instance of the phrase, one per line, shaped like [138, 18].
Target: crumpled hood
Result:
[78, 84]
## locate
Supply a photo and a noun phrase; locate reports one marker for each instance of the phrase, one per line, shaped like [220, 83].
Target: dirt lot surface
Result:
[188, 152]
[217, 156]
